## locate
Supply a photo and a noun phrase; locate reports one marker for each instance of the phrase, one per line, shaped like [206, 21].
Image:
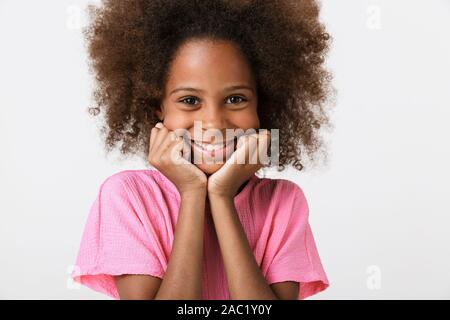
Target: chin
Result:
[209, 168]
[207, 164]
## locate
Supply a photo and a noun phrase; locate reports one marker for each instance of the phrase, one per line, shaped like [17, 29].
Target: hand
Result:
[236, 170]
[165, 154]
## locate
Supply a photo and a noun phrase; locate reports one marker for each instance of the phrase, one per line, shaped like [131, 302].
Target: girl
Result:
[207, 229]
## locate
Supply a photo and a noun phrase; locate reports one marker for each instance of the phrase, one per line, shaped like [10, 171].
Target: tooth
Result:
[209, 146]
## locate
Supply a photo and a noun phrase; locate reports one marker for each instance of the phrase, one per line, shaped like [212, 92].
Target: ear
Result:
[160, 113]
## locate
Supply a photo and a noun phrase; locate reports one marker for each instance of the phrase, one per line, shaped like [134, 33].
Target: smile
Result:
[211, 149]
[209, 146]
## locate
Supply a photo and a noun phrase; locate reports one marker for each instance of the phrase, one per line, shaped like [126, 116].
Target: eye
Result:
[238, 101]
[189, 100]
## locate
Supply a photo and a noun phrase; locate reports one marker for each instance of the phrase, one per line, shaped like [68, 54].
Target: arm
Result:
[245, 280]
[286, 290]
[182, 279]
[137, 286]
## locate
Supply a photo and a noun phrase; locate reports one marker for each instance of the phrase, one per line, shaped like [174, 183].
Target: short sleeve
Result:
[295, 255]
[119, 238]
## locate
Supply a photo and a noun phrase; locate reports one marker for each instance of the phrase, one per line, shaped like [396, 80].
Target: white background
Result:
[379, 209]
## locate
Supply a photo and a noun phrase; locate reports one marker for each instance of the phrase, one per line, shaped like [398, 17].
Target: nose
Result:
[212, 121]
[213, 117]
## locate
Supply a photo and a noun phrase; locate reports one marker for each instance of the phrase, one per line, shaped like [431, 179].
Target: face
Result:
[210, 84]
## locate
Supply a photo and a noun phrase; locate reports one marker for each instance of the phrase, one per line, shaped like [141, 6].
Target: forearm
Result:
[245, 280]
[183, 277]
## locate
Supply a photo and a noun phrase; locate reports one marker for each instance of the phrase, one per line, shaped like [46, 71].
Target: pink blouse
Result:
[131, 224]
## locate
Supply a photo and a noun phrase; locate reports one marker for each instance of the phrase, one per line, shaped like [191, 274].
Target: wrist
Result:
[220, 196]
[195, 194]
[222, 193]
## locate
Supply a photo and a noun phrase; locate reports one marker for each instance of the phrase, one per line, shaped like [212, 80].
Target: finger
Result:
[153, 134]
[252, 149]
[186, 152]
[241, 140]
[176, 151]
[263, 148]
[160, 136]
[165, 143]
[240, 154]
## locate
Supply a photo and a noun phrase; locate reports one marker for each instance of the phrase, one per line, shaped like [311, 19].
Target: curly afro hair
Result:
[131, 44]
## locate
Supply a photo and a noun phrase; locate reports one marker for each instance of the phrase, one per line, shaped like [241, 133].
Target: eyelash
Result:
[242, 99]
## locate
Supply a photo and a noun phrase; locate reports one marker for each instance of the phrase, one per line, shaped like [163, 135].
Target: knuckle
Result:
[173, 136]
[151, 161]
[164, 130]
[164, 158]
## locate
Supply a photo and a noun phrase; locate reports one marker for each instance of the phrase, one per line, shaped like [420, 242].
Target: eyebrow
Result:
[200, 90]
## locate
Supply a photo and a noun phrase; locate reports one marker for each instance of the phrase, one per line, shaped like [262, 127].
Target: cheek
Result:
[246, 119]
[174, 119]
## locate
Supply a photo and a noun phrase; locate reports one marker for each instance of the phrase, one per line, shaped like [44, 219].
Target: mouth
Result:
[211, 146]
[224, 149]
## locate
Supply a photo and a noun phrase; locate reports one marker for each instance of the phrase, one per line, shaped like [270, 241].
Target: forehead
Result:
[209, 63]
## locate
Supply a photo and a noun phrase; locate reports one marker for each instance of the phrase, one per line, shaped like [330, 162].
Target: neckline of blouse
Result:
[173, 189]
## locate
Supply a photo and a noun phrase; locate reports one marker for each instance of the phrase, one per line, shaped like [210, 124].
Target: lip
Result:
[224, 143]
[225, 149]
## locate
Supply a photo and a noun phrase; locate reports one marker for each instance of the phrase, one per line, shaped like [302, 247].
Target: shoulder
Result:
[134, 193]
[139, 181]
[279, 188]
[126, 179]
[282, 196]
